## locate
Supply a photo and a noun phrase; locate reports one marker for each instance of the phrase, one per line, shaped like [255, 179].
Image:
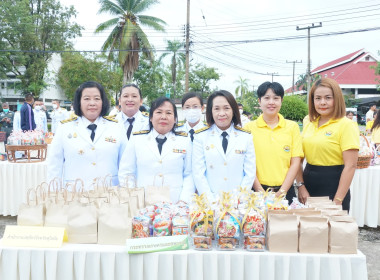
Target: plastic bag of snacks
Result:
[254, 226]
[141, 227]
[162, 225]
[243, 196]
[228, 226]
[276, 203]
[201, 223]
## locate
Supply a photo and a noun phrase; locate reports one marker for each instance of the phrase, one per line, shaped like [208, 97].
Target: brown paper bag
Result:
[282, 233]
[133, 206]
[328, 213]
[57, 211]
[82, 223]
[313, 235]
[343, 237]
[155, 194]
[310, 213]
[32, 212]
[131, 185]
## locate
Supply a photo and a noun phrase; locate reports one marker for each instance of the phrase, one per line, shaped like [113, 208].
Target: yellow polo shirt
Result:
[375, 137]
[369, 125]
[274, 148]
[324, 145]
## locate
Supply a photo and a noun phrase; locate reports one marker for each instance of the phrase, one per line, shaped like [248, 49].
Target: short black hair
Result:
[142, 108]
[350, 112]
[276, 87]
[239, 104]
[78, 96]
[189, 95]
[158, 103]
[29, 97]
[130, 85]
[230, 99]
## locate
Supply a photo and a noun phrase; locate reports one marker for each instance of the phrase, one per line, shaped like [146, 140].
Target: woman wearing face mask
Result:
[223, 152]
[192, 107]
[160, 152]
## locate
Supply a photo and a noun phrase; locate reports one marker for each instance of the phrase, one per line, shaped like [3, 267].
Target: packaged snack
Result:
[140, 227]
[162, 226]
[180, 225]
[254, 243]
[228, 243]
[202, 242]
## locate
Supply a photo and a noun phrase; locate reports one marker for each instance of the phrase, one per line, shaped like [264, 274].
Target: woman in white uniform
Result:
[90, 144]
[192, 107]
[160, 153]
[223, 152]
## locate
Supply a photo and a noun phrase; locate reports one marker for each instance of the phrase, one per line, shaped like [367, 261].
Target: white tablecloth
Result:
[365, 196]
[15, 180]
[75, 261]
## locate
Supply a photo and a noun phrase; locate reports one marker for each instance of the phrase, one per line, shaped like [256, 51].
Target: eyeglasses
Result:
[192, 107]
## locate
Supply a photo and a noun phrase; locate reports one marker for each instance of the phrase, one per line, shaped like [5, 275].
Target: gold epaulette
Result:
[146, 114]
[180, 133]
[110, 118]
[201, 129]
[242, 129]
[180, 124]
[69, 119]
[141, 132]
[113, 116]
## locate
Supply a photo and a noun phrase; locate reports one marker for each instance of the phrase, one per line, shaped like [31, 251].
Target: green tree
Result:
[242, 87]
[200, 78]
[250, 103]
[302, 81]
[293, 108]
[127, 35]
[174, 49]
[77, 68]
[30, 30]
[377, 72]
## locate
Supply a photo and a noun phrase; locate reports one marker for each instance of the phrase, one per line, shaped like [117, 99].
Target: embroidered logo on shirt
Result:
[81, 152]
[110, 139]
[240, 151]
[328, 133]
[179, 151]
[286, 148]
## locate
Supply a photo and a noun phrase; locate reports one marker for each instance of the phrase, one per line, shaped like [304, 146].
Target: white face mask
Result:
[192, 115]
[241, 111]
[55, 106]
[37, 108]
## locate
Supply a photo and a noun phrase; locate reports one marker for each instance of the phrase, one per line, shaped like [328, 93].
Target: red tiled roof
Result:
[338, 61]
[296, 89]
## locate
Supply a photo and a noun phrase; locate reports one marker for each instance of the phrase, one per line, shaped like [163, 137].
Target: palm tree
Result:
[242, 86]
[178, 59]
[127, 36]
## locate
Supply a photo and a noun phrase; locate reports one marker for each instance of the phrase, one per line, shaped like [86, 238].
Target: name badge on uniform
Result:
[179, 151]
[110, 139]
[286, 148]
[240, 151]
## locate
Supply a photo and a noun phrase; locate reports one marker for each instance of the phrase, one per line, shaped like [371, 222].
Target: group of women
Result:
[220, 156]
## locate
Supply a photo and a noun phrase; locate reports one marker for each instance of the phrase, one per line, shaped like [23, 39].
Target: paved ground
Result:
[369, 244]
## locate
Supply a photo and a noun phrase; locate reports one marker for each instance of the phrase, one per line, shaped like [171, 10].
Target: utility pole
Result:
[187, 64]
[294, 66]
[308, 54]
[273, 74]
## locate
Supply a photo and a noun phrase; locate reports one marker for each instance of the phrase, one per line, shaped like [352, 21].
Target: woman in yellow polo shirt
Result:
[369, 125]
[375, 137]
[277, 142]
[330, 143]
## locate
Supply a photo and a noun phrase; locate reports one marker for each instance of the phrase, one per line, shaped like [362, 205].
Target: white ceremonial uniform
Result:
[244, 120]
[141, 122]
[57, 116]
[186, 127]
[215, 171]
[142, 159]
[40, 120]
[73, 155]
[17, 121]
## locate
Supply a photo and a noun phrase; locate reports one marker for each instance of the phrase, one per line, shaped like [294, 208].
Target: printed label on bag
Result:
[157, 244]
[36, 237]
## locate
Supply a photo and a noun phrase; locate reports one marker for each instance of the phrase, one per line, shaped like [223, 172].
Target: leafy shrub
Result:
[293, 108]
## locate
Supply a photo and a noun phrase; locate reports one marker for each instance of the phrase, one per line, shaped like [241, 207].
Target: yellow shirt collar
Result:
[325, 124]
[262, 123]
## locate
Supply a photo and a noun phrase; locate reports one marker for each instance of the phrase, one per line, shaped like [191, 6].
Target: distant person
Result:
[244, 118]
[6, 120]
[369, 124]
[27, 114]
[130, 118]
[40, 116]
[371, 111]
[142, 108]
[59, 114]
[350, 115]
[17, 121]
[115, 110]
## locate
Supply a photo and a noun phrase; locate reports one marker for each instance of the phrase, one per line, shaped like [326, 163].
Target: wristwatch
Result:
[298, 185]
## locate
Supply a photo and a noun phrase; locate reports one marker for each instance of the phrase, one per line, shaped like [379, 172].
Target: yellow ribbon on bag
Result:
[252, 206]
[226, 208]
[202, 205]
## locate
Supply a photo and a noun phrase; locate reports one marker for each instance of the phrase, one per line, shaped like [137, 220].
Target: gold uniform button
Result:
[94, 163]
[225, 179]
[93, 148]
[160, 175]
[160, 161]
[225, 163]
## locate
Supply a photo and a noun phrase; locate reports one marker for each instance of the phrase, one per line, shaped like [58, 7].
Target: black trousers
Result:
[289, 195]
[324, 181]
